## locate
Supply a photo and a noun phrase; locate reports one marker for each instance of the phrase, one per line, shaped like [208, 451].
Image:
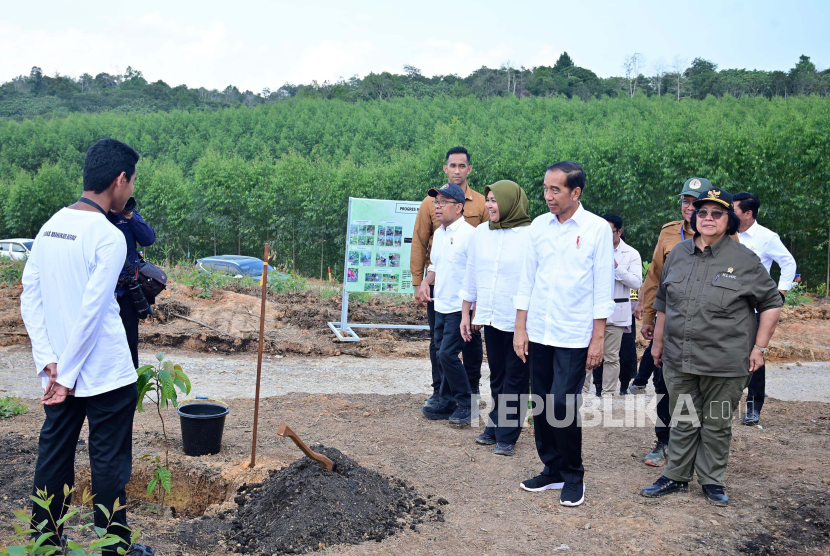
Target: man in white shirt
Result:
[628, 271]
[79, 344]
[564, 299]
[767, 245]
[446, 272]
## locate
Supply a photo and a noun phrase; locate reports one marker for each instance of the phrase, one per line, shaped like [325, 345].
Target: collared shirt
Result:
[425, 226]
[494, 266]
[568, 278]
[449, 263]
[68, 303]
[709, 297]
[768, 246]
[671, 234]
[627, 276]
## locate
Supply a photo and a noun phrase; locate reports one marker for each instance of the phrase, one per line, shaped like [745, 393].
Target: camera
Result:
[130, 206]
[127, 281]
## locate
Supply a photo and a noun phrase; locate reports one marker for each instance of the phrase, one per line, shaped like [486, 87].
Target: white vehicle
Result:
[16, 249]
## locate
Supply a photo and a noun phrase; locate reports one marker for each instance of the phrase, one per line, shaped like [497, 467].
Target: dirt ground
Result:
[779, 475]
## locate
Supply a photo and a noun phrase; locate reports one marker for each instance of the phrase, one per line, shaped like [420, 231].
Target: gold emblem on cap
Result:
[694, 184]
[713, 193]
[729, 270]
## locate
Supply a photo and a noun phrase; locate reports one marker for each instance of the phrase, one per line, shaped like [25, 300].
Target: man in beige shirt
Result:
[457, 168]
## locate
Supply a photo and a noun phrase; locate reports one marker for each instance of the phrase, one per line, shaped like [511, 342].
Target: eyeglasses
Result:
[686, 202]
[444, 203]
[716, 214]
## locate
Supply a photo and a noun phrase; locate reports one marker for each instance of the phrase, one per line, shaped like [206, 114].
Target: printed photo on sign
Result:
[381, 259]
[381, 231]
[370, 229]
[372, 277]
[354, 257]
[371, 287]
[366, 258]
[353, 239]
[390, 287]
[353, 230]
[352, 275]
[394, 260]
[391, 277]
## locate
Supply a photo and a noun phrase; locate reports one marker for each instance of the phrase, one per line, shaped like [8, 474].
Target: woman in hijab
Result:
[494, 261]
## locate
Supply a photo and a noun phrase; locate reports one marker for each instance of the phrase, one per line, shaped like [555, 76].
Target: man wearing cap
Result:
[446, 272]
[767, 245]
[671, 234]
[457, 168]
[708, 342]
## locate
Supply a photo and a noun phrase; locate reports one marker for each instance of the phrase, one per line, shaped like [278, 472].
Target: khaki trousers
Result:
[610, 362]
[702, 448]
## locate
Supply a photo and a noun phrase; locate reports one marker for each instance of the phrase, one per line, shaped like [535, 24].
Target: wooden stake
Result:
[259, 355]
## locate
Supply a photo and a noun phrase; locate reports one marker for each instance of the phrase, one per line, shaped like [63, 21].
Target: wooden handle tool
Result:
[285, 430]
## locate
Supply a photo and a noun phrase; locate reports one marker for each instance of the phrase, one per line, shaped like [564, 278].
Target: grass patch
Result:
[11, 271]
[11, 406]
[278, 282]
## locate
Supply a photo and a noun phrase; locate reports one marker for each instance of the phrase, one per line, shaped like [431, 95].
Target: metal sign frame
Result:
[343, 330]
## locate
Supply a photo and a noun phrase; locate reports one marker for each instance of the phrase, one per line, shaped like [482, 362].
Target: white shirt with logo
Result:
[628, 275]
[449, 263]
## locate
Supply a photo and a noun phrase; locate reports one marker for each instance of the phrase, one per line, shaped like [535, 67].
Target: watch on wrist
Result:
[762, 350]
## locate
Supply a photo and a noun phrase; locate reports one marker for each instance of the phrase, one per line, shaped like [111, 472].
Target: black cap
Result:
[715, 195]
[450, 190]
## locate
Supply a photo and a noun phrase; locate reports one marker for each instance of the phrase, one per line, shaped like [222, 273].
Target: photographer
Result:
[135, 230]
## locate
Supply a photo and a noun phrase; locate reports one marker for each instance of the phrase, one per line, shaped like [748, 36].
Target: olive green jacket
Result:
[710, 298]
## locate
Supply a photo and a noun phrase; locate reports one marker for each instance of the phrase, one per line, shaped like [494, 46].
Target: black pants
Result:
[757, 385]
[110, 417]
[129, 317]
[455, 386]
[628, 361]
[557, 375]
[472, 353]
[646, 368]
[508, 375]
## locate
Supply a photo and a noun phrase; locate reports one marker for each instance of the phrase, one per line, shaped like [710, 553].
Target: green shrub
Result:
[11, 272]
[11, 406]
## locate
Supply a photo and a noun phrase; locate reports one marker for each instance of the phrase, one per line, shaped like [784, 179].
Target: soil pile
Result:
[305, 507]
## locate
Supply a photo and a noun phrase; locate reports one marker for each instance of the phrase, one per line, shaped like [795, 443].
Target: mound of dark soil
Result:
[305, 507]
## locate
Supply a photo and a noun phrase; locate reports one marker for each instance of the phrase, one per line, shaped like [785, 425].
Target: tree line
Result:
[39, 94]
[230, 180]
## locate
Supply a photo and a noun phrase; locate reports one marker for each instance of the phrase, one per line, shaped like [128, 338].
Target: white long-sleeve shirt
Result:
[568, 278]
[495, 260]
[449, 263]
[768, 246]
[68, 303]
[628, 275]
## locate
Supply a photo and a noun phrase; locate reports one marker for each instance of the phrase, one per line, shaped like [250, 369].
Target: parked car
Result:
[238, 266]
[16, 249]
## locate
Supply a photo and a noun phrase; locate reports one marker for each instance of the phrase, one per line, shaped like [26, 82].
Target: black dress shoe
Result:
[664, 486]
[716, 495]
[752, 417]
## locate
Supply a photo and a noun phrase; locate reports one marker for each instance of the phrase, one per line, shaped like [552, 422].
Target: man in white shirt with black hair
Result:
[79, 344]
[565, 297]
[768, 246]
[446, 272]
[628, 275]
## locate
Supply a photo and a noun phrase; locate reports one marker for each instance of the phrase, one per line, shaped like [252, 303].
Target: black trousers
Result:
[455, 386]
[129, 317]
[110, 442]
[646, 368]
[628, 361]
[472, 353]
[508, 375]
[757, 385]
[557, 375]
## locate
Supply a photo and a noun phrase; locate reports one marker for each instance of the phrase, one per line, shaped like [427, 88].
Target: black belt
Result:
[622, 300]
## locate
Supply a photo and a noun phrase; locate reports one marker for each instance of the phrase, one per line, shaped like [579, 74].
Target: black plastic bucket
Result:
[202, 427]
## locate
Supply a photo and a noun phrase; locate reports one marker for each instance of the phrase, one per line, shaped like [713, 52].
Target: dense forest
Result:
[229, 180]
[40, 94]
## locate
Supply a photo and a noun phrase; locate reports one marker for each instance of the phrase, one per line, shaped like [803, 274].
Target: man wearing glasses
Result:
[671, 234]
[457, 167]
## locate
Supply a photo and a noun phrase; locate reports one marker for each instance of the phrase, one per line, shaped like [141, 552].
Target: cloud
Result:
[442, 57]
[330, 60]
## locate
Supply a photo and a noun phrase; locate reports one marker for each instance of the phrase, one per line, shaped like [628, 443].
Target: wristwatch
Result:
[762, 350]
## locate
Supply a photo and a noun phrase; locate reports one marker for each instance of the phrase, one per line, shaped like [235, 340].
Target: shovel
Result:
[285, 430]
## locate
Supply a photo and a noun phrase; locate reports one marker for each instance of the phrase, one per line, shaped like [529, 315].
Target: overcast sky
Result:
[261, 43]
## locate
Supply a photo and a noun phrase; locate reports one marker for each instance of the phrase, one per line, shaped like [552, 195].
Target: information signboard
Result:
[378, 243]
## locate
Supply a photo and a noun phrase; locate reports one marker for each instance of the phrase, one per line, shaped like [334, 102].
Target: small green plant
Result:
[74, 519]
[161, 478]
[821, 290]
[11, 406]
[11, 271]
[797, 295]
[646, 264]
[327, 293]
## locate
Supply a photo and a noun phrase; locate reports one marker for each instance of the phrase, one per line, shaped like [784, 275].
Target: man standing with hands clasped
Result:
[449, 264]
[565, 297]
